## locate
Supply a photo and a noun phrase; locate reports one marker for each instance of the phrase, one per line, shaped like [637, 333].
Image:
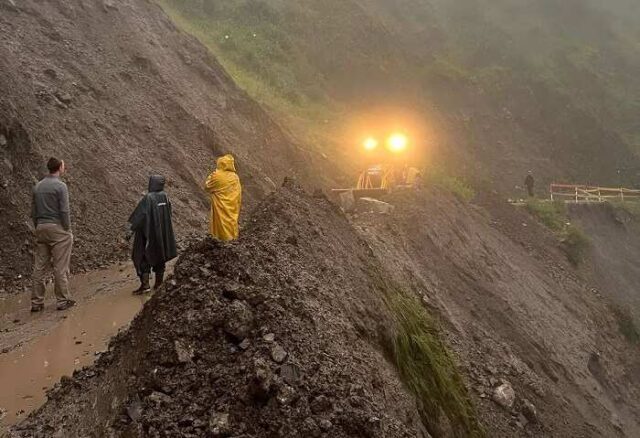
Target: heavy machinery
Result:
[387, 169]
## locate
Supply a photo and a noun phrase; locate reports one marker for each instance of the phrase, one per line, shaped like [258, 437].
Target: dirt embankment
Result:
[515, 311]
[118, 92]
[282, 333]
[614, 255]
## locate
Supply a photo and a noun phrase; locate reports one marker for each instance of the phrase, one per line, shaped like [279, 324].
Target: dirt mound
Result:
[282, 333]
[516, 311]
[119, 93]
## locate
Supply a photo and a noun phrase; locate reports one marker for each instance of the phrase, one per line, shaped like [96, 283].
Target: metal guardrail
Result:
[582, 193]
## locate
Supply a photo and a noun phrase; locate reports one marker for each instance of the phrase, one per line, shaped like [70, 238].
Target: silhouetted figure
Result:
[529, 183]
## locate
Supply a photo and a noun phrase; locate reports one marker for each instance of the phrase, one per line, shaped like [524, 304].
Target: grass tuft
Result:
[552, 214]
[429, 370]
[627, 325]
[575, 243]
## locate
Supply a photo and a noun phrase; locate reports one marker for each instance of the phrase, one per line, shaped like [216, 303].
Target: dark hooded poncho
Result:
[154, 241]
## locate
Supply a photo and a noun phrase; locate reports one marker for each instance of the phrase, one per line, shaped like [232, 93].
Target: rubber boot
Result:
[144, 285]
[159, 280]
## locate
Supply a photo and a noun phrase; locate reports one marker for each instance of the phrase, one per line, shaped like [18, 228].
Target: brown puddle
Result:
[63, 344]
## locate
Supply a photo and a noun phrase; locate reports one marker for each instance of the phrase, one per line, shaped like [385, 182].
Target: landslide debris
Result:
[119, 93]
[287, 332]
[528, 329]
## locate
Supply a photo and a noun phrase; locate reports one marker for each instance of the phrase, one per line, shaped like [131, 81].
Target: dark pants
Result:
[145, 268]
[530, 191]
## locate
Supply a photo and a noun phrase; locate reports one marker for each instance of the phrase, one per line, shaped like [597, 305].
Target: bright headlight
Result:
[397, 142]
[370, 144]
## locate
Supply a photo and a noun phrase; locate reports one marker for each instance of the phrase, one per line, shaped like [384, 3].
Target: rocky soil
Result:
[534, 337]
[284, 332]
[116, 90]
[279, 334]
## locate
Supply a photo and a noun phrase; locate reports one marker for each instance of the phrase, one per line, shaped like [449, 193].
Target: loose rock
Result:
[290, 373]
[219, 424]
[239, 321]
[184, 351]
[504, 395]
[373, 206]
[529, 411]
[244, 345]
[325, 425]
[278, 354]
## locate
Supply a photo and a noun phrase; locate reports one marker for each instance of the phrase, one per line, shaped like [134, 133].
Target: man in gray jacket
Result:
[54, 241]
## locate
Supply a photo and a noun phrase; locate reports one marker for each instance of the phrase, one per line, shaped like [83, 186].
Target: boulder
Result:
[504, 395]
[373, 206]
[347, 201]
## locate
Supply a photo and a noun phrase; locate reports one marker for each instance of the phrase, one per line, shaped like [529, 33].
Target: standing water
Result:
[43, 347]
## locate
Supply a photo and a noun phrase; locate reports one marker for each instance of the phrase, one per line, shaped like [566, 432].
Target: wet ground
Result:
[36, 350]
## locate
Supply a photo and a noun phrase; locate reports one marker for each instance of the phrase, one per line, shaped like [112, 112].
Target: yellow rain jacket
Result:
[226, 196]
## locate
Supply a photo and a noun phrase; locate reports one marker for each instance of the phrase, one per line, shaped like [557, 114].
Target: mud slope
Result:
[297, 289]
[118, 92]
[615, 252]
[515, 311]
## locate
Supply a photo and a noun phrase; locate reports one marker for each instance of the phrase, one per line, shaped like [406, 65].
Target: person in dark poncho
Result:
[529, 183]
[154, 243]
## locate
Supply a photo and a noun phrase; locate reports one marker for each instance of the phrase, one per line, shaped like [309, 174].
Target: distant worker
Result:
[529, 183]
[154, 243]
[223, 185]
[51, 217]
[411, 176]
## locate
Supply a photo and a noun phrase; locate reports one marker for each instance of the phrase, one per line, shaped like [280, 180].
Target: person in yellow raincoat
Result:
[223, 185]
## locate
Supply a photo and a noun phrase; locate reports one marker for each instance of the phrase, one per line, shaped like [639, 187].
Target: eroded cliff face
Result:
[119, 93]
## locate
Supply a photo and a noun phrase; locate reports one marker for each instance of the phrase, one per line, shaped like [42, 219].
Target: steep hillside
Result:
[515, 310]
[614, 253]
[116, 90]
[311, 326]
[296, 330]
[500, 87]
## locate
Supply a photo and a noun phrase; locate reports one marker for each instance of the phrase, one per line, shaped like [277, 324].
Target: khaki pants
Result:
[53, 245]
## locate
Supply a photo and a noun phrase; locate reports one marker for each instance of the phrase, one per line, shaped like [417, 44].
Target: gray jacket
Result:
[51, 203]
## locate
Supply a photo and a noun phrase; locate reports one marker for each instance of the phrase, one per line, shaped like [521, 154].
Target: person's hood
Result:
[156, 183]
[226, 163]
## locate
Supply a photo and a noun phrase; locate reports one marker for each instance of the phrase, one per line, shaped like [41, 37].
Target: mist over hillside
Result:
[501, 87]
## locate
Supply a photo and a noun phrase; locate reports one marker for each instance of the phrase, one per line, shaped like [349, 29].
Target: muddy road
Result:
[37, 350]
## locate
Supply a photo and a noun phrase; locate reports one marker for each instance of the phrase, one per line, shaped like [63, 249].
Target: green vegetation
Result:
[425, 364]
[553, 215]
[428, 369]
[253, 43]
[576, 244]
[439, 178]
[627, 325]
[481, 66]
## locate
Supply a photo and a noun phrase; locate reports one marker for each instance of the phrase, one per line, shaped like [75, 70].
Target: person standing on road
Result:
[154, 243]
[529, 183]
[223, 186]
[51, 218]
